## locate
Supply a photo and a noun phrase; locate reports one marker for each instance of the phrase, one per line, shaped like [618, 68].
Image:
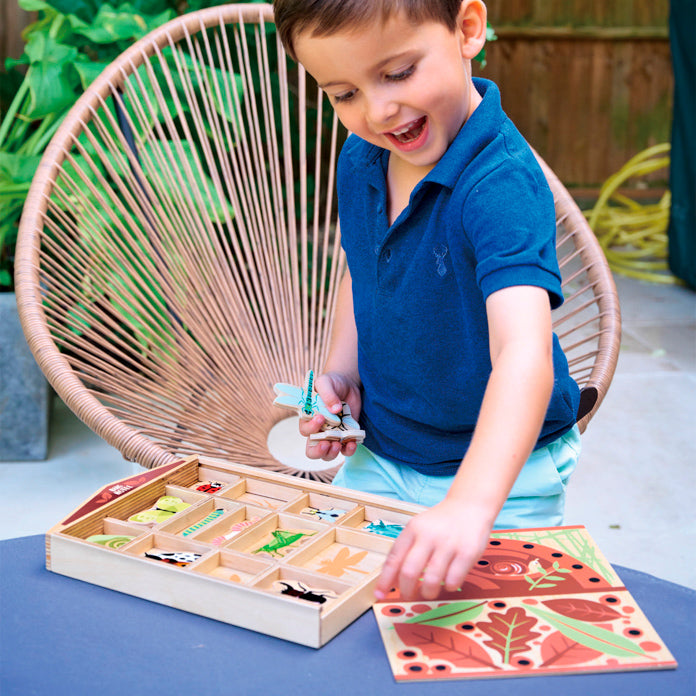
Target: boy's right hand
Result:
[334, 388]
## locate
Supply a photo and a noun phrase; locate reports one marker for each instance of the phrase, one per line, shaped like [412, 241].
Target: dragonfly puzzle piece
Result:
[337, 426]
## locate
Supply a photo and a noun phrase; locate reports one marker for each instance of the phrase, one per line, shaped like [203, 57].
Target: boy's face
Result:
[404, 87]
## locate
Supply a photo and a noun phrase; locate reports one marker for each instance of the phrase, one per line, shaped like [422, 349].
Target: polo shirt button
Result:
[377, 250]
[387, 255]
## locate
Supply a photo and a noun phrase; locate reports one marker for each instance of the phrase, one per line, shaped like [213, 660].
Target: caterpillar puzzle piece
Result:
[337, 426]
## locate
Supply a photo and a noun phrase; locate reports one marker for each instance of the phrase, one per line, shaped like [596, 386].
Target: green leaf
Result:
[90, 71]
[17, 169]
[51, 90]
[449, 614]
[84, 9]
[112, 24]
[589, 635]
[42, 47]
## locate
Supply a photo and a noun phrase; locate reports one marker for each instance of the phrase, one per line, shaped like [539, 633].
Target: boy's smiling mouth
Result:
[409, 133]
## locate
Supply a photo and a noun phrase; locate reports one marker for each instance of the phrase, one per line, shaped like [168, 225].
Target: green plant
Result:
[71, 42]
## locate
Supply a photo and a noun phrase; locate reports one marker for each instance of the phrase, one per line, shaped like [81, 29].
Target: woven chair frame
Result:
[179, 251]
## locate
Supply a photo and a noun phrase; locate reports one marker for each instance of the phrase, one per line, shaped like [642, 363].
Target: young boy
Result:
[443, 345]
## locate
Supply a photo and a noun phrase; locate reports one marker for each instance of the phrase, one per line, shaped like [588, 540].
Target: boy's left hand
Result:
[438, 546]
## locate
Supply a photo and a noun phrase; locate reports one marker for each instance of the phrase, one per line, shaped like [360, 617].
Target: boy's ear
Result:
[471, 25]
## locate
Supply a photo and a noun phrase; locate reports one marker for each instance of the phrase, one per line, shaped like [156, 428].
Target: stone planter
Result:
[25, 395]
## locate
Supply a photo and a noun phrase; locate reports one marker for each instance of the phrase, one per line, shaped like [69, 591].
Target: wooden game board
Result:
[539, 602]
[276, 554]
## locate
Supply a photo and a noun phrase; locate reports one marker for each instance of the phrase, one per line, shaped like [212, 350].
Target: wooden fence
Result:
[12, 20]
[588, 82]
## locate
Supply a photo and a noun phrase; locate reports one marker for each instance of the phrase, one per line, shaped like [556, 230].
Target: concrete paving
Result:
[634, 489]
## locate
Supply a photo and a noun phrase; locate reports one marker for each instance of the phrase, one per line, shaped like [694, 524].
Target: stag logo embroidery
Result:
[440, 251]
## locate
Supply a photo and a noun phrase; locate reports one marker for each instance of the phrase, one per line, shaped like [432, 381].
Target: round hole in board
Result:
[287, 446]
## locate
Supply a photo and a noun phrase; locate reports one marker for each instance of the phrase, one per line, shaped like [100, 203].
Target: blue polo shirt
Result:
[481, 220]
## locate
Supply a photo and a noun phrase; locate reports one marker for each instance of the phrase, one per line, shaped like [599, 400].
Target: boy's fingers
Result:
[325, 389]
[348, 449]
[323, 449]
[392, 565]
[411, 572]
[313, 425]
[434, 575]
[457, 572]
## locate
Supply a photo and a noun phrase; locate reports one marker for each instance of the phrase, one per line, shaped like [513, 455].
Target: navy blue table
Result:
[63, 636]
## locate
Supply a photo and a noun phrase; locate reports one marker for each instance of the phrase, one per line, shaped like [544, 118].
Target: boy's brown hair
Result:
[324, 17]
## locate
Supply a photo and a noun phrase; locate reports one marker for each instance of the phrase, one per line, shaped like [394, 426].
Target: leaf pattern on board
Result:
[510, 633]
[449, 614]
[592, 636]
[444, 644]
[558, 650]
[582, 609]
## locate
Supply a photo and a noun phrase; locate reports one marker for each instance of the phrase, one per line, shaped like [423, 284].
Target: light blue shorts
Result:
[537, 498]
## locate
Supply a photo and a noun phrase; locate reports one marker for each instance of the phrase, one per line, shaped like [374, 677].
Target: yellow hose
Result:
[633, 235]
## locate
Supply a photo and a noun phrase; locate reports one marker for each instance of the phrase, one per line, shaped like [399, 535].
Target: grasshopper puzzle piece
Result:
[337, 426]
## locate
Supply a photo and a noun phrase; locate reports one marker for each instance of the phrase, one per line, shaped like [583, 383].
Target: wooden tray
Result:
[302, 568]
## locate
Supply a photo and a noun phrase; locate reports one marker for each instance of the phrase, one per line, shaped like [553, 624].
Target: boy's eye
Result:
[343, 97]
[401, 75]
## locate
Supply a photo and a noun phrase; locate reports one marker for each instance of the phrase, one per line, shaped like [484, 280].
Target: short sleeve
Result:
[509, 219]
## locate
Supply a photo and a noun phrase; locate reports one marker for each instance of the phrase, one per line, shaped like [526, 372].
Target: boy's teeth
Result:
[410, 131]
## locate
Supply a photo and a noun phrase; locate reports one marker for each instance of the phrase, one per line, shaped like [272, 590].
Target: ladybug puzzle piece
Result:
[337, 426]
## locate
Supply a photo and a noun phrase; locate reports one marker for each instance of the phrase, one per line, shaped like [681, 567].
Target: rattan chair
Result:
[179, 249]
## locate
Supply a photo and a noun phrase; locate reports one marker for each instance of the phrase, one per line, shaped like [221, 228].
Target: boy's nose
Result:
[381, 110]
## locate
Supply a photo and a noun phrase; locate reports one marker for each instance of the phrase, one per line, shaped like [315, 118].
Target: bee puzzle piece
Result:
[337, 426]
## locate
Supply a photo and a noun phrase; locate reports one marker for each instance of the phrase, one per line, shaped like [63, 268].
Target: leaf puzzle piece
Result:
[337, 427]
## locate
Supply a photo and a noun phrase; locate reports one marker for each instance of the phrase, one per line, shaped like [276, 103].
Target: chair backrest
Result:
[179, 251]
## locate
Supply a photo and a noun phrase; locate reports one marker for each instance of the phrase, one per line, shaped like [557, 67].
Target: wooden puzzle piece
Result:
[328, 515]
[177, 558]
[295, 588]
[383, 528]
[111, 541]
[235, 529]
[304, 400]
[209, 486]
[282, 540]
[343, 562]
[206, 520]
[162, 510]
[340, 427]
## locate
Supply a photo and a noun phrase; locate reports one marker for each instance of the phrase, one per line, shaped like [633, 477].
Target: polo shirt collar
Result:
[481, 127]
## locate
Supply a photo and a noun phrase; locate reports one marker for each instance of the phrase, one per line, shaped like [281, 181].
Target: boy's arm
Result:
[340, 380]
[442, 543]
